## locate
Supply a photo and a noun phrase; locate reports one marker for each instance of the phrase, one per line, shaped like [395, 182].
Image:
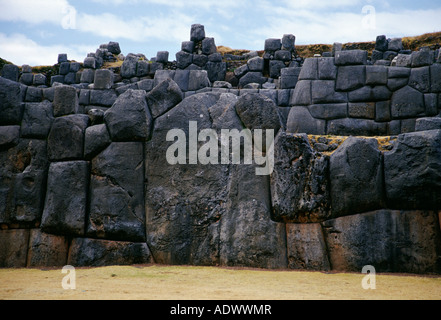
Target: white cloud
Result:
[34, 11]
[19, 49]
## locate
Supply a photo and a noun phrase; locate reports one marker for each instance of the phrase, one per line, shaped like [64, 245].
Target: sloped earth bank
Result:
[155, 282]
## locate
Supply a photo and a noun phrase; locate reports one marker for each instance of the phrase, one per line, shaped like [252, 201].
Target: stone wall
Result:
[84, 178]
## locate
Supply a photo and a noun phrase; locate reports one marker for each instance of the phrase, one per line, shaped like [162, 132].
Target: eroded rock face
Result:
[299, 183]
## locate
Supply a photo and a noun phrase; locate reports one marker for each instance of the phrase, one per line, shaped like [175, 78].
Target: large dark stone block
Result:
[66, 198]
[413, 171]
[11, 98]
[163, 97]
[37, 120]
[407, 102]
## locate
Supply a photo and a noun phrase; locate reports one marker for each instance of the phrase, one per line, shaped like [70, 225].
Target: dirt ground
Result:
[157, 282]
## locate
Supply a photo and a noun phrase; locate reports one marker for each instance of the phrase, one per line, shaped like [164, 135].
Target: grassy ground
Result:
[156, 282]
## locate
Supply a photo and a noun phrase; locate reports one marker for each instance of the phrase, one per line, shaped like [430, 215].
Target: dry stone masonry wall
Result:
[357, 160]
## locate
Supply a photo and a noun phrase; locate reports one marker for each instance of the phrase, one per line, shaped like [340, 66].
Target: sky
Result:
[34, 32]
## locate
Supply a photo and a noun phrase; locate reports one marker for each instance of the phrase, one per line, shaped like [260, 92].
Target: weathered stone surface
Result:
[306, 247]
[128, 68]
[162, 56]
[255, 64]
[13, 248]
[376, 75]
[96, 253]
[103, 79]
[105, 98]
[208, 46]
[163, 97]
[9, 136]
[257, 111]
[329, 111]
[323, 91]
[301, 121]
[197, 32]
[435, 77]
[326, 69]
[248, 236]
[275, 67]
[302, 94]
[10, 72]
[309, 69]
[272, 45]
[299, 183]
[356, 127]
[34, 94]
[420, 79]
[288, 42]
[116, 197]
[350, 57]
[65, 100]
[382, 111]
[407, 102]
[362, 110]
[198, 79]
[113, 47]
[87, 76]
[381, 43]
[432, 123]
[37, 120]
[350, 78]
[417, 155]
[216, 70]
[421, 58]
[356, 177]
[252, 77]
[289, 77]
[46, 250]
[129, 118]
[66, 137]
[395, 44]
[66, 198]
[11, 107]
[391, 241]
[96, 139]
[183, 59]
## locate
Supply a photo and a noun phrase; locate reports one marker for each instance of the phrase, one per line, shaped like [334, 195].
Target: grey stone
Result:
[395, 44]
[187, 46]
[65, 100]
[424, 124]
[216, 71]
[421, 58]
[431, 102]
[208, 46]
[351, 57]
[96, 139]
[399, 72]
[65, 68]
[181, 78]
[376, 75]
[299, 183]
[288, 42]
[129, 118]
[368, 93]
[97, 253]
[275, 67]
[350, 78]
[323, 91]
[381, 43]
[252, 77]
[289, 77]
[34, 94]
[362, 110]
[46, 250]
[306, 247]
[377, 55]
[272, 45]
[282, 55]
[435, 77]
[155, 66]
[417, 155]
[397, 83]
[87, 76]
[37, 120]
[66, 137]
[143, 68]
[309, 69]
[84, 97]
[200, 59]
[128, 68]
[215, 57]
[404, 60]
[408, 125]
[326, 69]
[162, 56]
[96, 116]
[9, 136]
[356, 127]
[62, 57]
[10, 72]
[283, 97]
[407, 102]
[117, 171]
[301, 121]
[336, 47]
[302, 94]
[39, 80]
[222, 84]
[197, 32]
[113, 47]
[11, 97]
[27, 79]
[104, 98]
[255, 64]
[393, 241]
[382, 111]
[163, 97]
[198, 79]
[103, 79]
[74, 67]
[146, 84]
[57, 79]
[66, 198]
[389, 56]
[329, 111]
[356, 177]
